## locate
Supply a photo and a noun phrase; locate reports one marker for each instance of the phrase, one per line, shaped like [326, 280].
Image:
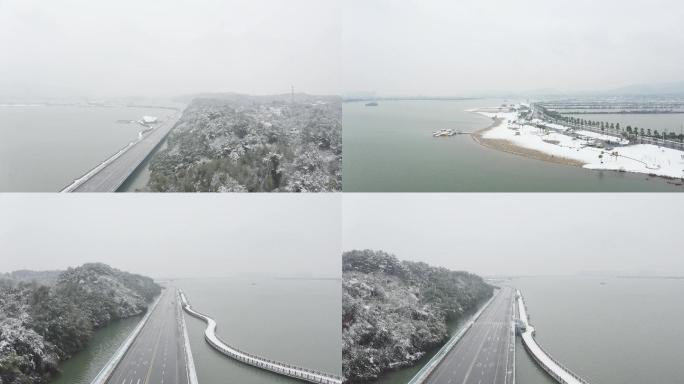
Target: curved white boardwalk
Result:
[552, 366]
[254, 360]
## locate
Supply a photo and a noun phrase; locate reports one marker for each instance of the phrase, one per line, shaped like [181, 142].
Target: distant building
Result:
[149, 119]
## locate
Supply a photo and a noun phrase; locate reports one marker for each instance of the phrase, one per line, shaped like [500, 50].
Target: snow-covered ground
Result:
[557, 141]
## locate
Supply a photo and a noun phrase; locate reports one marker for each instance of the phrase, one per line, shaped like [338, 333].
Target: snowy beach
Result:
[561, 144]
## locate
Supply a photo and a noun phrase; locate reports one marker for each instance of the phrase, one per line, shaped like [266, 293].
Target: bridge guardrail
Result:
[83, 178]
[108, 369]
[98, 168]
[189, 361]
[425, 372]
[513, 337]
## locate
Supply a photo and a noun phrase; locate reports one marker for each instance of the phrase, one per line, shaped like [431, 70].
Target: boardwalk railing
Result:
[559, 372]
[567, 370]
[279, 367]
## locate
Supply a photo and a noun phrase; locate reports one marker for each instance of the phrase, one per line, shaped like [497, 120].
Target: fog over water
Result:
[78, 48]
[443, 47]
[523, 234]
[175, 235]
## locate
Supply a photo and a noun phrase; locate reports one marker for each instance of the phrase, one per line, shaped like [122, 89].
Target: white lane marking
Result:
[479, 349]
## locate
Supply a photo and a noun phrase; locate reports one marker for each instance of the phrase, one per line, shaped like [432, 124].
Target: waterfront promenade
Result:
[260, 362]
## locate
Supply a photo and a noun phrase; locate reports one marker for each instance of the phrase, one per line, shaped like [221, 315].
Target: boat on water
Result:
[372, 104]
[444, 133]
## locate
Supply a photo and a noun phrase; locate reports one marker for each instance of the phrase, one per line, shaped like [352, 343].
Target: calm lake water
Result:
[85, 365]
[626, 331]
[297, 321]
[44, 148]
[390, 148]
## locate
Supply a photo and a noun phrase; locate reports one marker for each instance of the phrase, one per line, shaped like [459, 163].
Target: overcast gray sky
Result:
[155, 48]
[522, 234]
[446, 47]
[174, 235]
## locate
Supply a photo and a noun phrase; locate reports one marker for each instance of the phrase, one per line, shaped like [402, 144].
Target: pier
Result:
[550, 365]
[278, 367]
[109, 175]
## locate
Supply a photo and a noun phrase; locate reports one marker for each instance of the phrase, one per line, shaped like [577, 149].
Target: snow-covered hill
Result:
[394, 311]
[42, 324]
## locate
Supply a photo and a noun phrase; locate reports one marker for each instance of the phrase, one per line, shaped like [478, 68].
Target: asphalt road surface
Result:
[484, 355]
[157, 355]
[110, 178]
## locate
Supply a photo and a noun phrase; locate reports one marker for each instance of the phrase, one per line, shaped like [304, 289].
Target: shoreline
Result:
[507, 146]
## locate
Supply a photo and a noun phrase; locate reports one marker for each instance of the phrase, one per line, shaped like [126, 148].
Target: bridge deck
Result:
[485, 353]
[549, 364]
[157, 355]
[111, 174]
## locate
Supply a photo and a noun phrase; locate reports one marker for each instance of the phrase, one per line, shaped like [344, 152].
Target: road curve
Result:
[484, 355]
